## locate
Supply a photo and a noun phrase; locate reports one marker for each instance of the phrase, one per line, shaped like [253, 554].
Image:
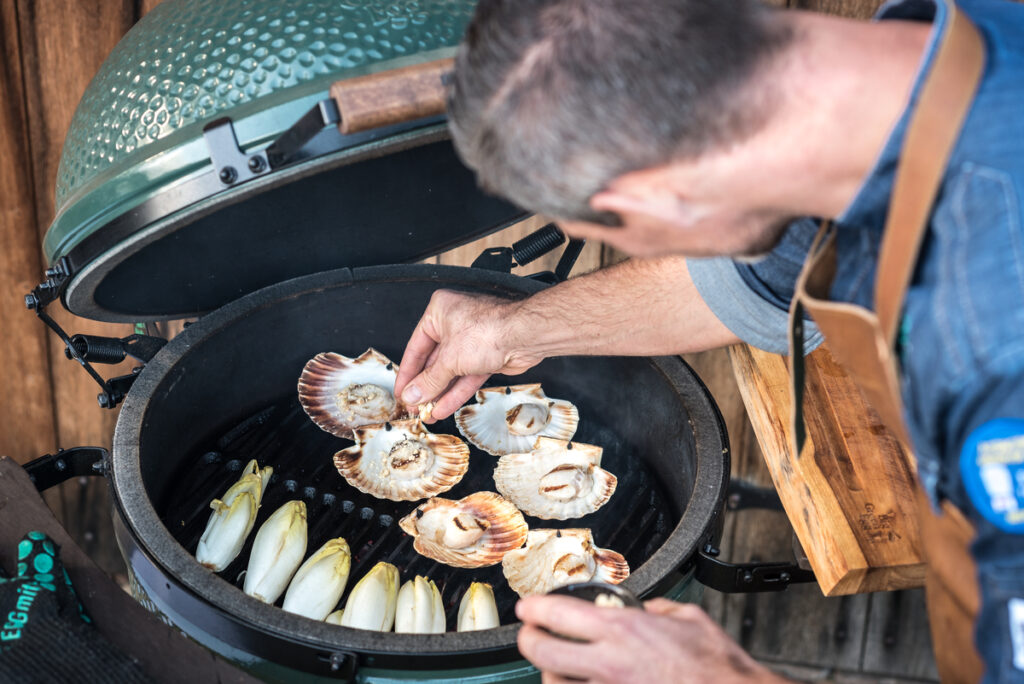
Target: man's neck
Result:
[841, 87]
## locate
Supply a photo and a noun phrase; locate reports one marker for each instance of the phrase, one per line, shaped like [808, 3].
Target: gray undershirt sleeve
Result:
[749, 316]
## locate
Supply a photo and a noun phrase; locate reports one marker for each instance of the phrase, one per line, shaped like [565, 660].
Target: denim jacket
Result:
[961, 342]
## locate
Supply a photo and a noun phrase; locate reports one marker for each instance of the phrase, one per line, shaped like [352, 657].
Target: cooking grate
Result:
[635, 522]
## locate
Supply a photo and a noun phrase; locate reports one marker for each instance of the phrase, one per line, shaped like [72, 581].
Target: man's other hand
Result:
[669, 642]
[458, 343]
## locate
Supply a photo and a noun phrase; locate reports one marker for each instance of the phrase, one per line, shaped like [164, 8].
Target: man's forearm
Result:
[642, 307]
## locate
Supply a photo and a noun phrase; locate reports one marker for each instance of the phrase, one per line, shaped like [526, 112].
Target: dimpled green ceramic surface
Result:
[138, 128]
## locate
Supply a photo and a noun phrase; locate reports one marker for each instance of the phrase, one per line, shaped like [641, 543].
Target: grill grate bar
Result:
[635, 522]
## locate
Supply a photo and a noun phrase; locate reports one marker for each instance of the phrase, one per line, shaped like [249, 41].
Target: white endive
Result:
[371, 605]
[477, 609]
[335, 617]
[232, 519]
[277, 551]
[419, 609]
[320, 581]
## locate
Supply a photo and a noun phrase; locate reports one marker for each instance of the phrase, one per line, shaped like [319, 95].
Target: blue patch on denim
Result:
[992, 468]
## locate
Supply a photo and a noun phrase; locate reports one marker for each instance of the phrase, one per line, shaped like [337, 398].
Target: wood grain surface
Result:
[392, 97]
[851, 494]
[63, 43]
[26, 396]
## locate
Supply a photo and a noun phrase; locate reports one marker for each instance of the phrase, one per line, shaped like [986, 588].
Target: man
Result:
[684, 127]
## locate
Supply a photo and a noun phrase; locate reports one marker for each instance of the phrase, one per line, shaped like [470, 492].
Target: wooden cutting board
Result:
[851, 496]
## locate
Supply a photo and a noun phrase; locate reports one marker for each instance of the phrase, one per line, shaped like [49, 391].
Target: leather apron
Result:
[863, 341]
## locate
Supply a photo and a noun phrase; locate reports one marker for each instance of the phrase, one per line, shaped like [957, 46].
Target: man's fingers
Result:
[673, 609]
[552, 654]
[421, 345]
[552, 678]
[457, 395]
[564, 615]
[426, 386]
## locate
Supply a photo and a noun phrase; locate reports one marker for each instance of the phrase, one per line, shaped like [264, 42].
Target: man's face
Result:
[689, 229]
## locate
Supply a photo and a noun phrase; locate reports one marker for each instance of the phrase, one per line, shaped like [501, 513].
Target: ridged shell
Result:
[558, 480]
[389, 461]
[502, 529]
[555, 558]
[327, 376]
[491, 424]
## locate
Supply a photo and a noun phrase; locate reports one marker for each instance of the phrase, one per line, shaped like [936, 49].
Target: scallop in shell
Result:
[555, 558]
[402, 461]
[508, 420]
[339, 393]
[558, 480]
[472, 532]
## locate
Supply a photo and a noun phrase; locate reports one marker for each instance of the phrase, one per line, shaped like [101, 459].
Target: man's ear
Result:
[658, 203]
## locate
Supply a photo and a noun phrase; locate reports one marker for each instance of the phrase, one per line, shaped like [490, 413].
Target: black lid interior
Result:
[397, 203]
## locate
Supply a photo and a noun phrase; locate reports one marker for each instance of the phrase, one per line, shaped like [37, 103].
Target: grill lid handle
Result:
[392, 97]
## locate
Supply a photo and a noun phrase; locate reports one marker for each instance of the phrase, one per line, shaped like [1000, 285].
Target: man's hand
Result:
[636, 308]
[459, 342]
[669, 642]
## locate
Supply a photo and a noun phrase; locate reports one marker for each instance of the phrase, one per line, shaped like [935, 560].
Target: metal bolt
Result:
[104, 399]
[228, 175]
[337, 660]
[256, 164]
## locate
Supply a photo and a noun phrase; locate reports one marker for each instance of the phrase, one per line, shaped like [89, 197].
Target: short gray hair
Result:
[554, 99]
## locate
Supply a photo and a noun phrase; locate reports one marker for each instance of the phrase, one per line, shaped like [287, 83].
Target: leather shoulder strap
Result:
[933, 130]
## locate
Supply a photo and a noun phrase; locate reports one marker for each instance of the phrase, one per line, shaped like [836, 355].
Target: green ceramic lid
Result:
[150, 232]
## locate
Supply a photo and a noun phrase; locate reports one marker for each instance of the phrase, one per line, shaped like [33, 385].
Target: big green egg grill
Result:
[219, 167]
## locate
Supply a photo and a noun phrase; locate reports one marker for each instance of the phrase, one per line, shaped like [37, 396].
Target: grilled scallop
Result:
[340, 394]
[469, 533]
[555, 558]
[402, 461]
[508, 420]
[558, 480]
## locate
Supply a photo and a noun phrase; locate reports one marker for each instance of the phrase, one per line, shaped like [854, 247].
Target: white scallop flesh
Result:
[558, 480]
[402, 461]
[340, 393]
[507, 420]
[555, 558]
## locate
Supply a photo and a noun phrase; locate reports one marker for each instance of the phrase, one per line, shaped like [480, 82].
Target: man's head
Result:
[571, 107]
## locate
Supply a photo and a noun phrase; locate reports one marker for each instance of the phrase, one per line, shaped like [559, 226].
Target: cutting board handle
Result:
[392, 97]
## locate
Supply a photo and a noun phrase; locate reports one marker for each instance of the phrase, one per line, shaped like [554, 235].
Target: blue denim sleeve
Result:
[752, 299]
[988, 474]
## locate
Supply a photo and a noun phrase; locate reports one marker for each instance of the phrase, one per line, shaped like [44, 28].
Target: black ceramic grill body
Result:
[247, 355]
[149, 228]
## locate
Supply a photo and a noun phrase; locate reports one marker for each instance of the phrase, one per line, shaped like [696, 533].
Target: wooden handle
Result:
[392, 97]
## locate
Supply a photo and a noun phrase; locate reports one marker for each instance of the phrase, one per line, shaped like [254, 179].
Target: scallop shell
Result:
[558, 480]
[555, 558]
[339, 393]
[508, 420]
[402, 461]
[472, 532]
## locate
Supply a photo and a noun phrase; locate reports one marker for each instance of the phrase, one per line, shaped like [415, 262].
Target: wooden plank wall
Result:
[50, 50]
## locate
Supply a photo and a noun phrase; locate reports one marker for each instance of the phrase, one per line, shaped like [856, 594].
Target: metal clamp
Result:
[343, 664]
[52, 469]
[89, 349]
[740, 578]
[233, 166]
